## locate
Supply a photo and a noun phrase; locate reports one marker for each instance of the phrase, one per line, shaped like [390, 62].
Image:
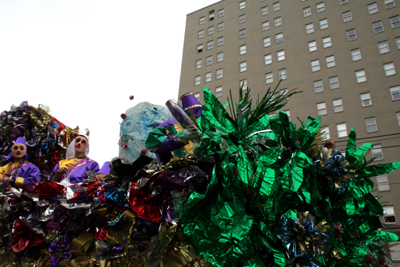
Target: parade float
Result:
[197, 185]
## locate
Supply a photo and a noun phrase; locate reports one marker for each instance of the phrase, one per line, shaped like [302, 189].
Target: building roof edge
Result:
[203, 8]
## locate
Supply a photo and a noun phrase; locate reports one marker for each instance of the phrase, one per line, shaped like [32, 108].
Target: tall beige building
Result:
[343, 54]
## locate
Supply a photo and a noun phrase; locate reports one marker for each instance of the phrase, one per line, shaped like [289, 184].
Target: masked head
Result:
[140, 120]
[18, 150]
[78, 146]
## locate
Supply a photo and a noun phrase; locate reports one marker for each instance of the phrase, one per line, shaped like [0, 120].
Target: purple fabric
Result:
[167, 123]
[79, 174]
[30, 173]
[163, 153]
[20, 140]
[105, 169]
[190, 102]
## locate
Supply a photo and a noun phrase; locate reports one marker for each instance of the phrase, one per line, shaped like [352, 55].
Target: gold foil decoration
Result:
[82, 244]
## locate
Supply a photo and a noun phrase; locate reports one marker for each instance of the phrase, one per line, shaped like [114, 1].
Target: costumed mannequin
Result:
[163, 142]
[19, 172]
[105, 169]
[76, 164]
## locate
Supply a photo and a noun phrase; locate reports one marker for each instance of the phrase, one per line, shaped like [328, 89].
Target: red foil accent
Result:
[101, 234]
[92, 187]
[146, 207]
[48, 190]
[329, 144]
[24, 237]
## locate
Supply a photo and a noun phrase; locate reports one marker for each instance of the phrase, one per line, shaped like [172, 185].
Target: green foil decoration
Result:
[267, 170]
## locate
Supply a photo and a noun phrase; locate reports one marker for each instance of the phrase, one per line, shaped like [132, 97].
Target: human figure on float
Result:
[18, 172]
[73, 168]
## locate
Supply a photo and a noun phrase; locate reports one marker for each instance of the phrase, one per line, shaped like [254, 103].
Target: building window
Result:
[389, 4]
[267, 59]
[395, 21]
[356, 54]
[210, 45]
[264, 11]
[327, 41]
[280, 55]
[321, 109]
[378, 26]
[218, 91]
[389, 69]
[383, 182]
[211, 15]
[365, 99]
[219, 74]
[279, 38]
[282, 74]
[208, 77]
[337, 105]
[309, 28]
[243, 66]
[373, 8]
[210, 30]
[388, 212]
[341, 130]
[383, 47]
[276, 6]
[395, 92]
[220, 57]
[398, 117]
[398, 42]
[201, 34]
[265, 26]
[221, 13]
[242, 5]
[243, 84]
[242, 18]
[323, 24]
[221, 26]
[242, 33]
[269, 78]
[220, 41]
[208, 60]
[343, 2]
[242, 50]
[200, 48]
[202, 20]
[312, 46]
[360, 75]
[334, 82]
[198, 63]
[197, 80]
[197, 96]
[347, 16]
[307, 11]
[283, 92]
[315, 65]
[325, 133]
[320, 7]
[278, 21]
[371, 125]
[330, 61]
[351, 35]
[318, 86]
[376, 151]
[267, 41]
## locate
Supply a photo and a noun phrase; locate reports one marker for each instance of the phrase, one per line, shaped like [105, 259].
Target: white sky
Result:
[85, 58]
